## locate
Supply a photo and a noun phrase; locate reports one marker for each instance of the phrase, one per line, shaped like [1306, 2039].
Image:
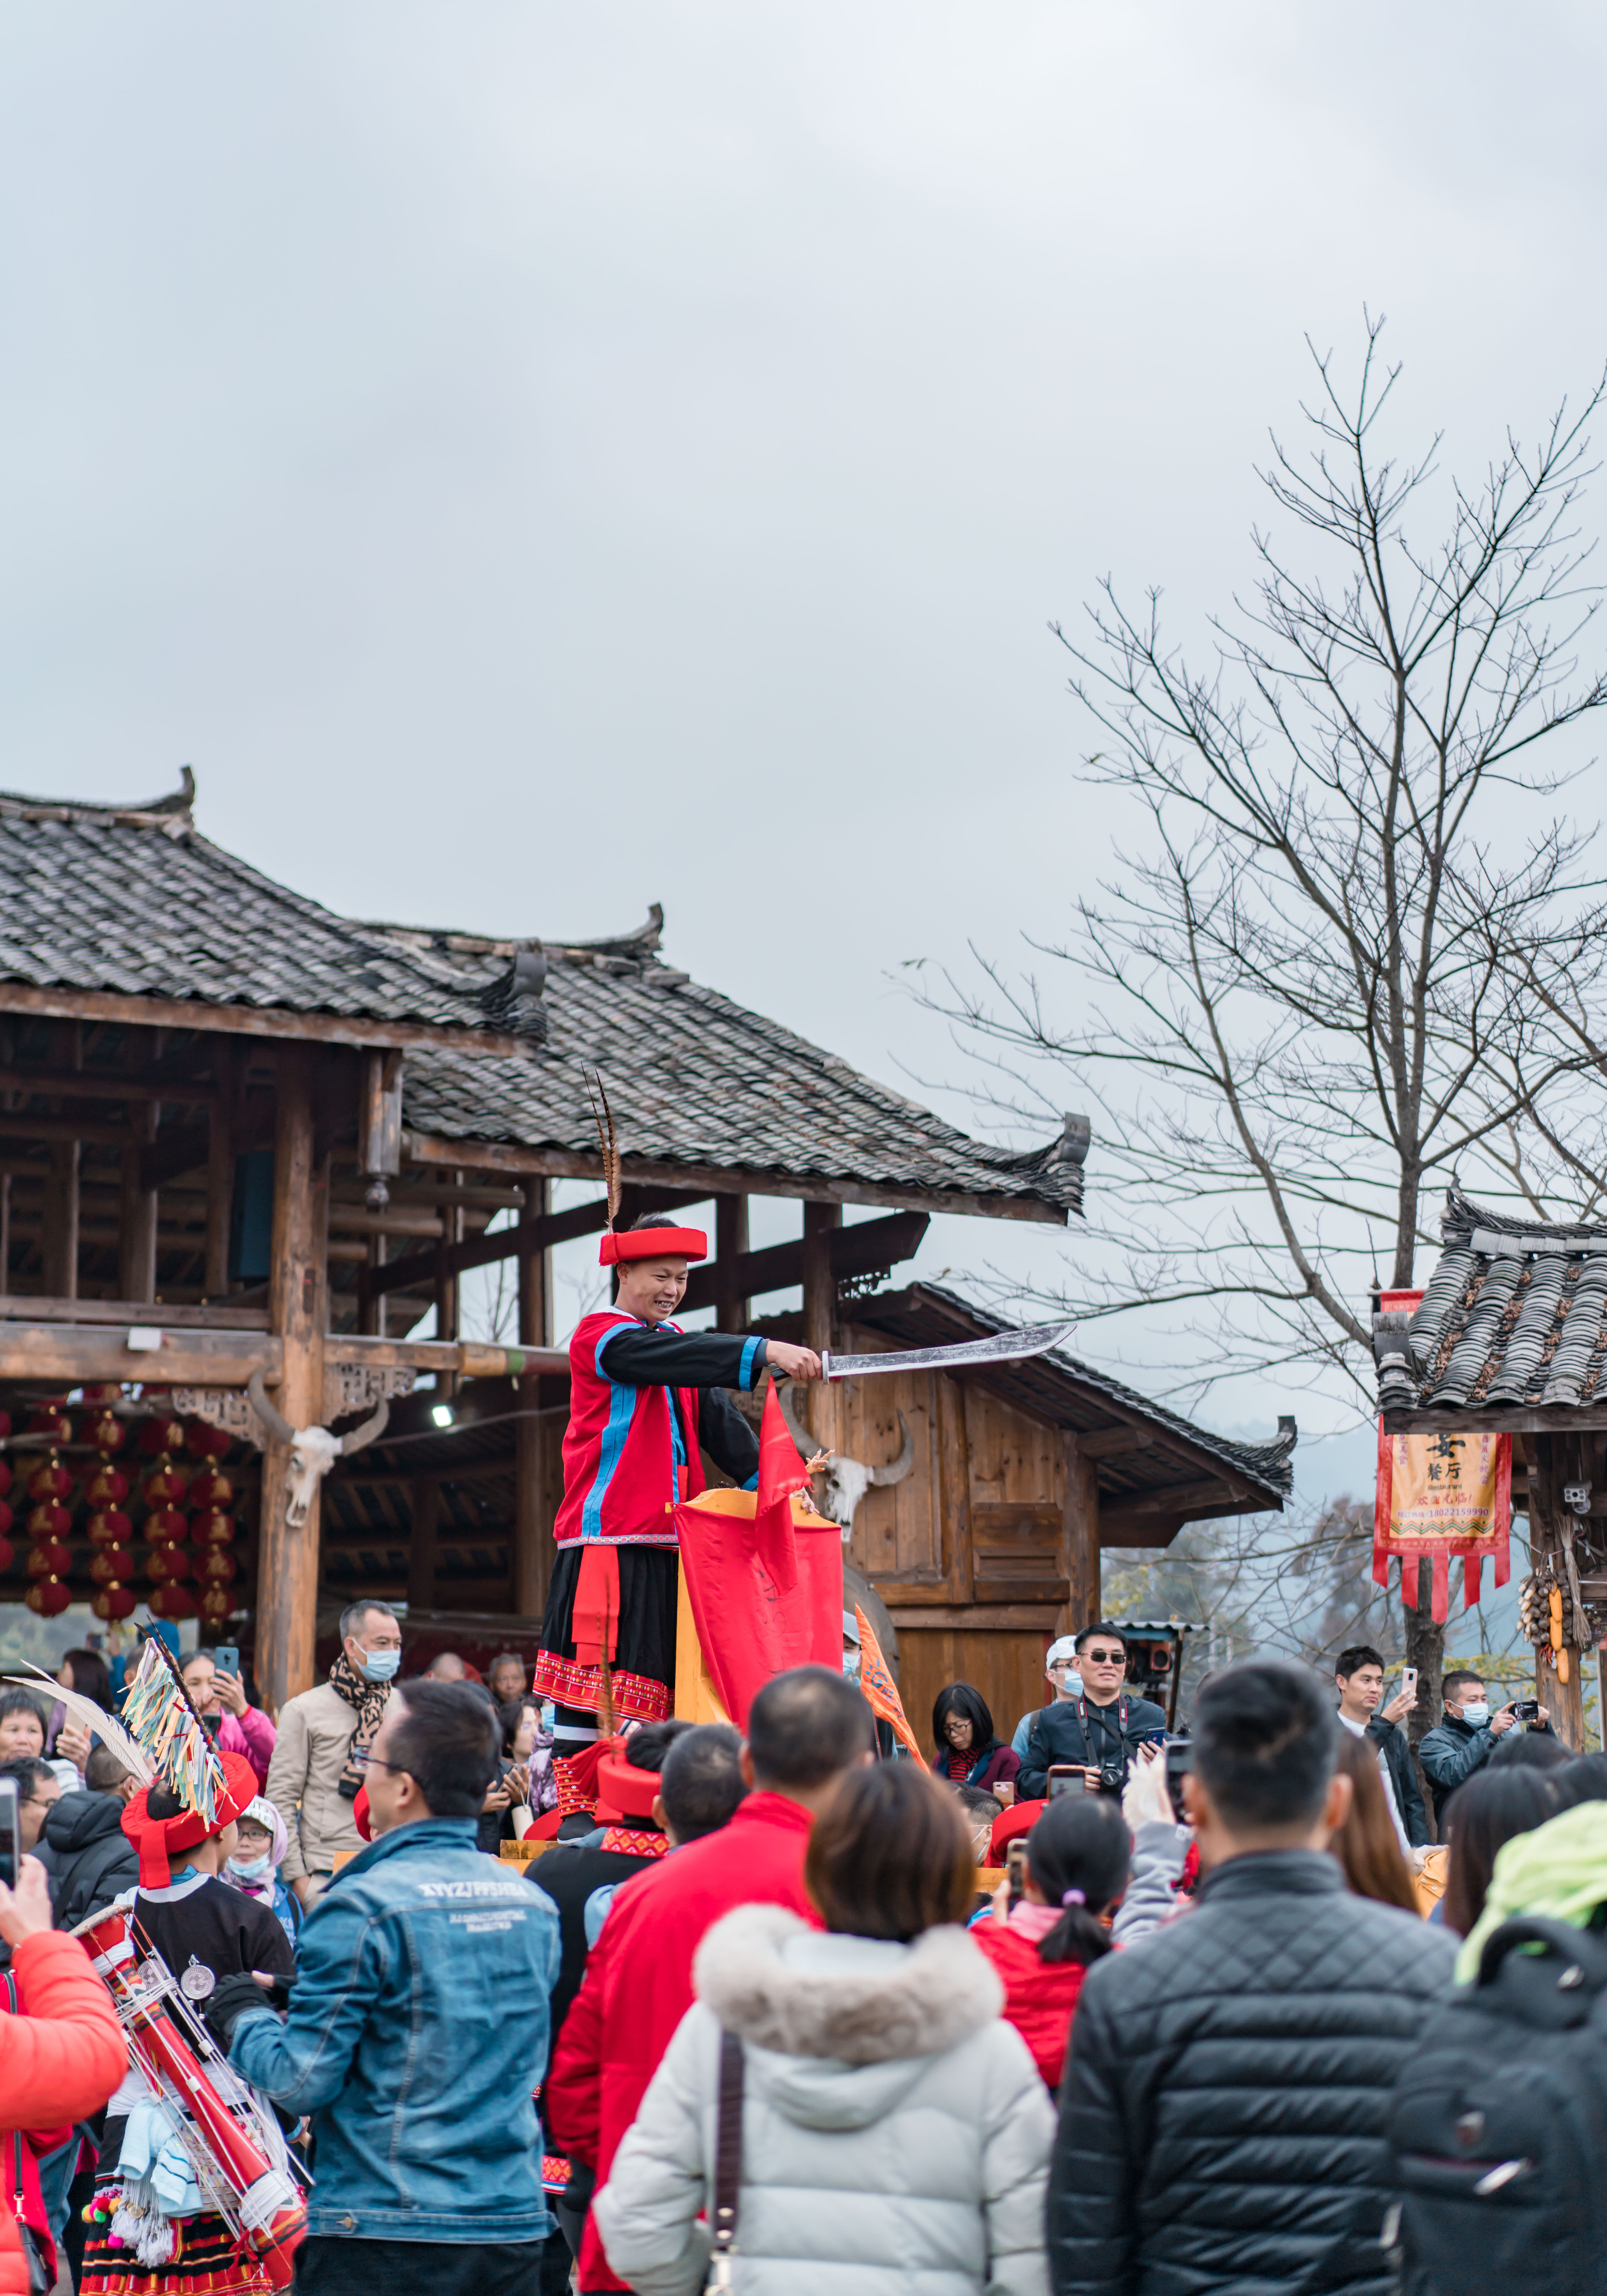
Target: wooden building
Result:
[238, 1134]
[1510, 1337]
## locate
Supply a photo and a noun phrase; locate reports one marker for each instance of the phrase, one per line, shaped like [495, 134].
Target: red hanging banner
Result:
[1440, 1496]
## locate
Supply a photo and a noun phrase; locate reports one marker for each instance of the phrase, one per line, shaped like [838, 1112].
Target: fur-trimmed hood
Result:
[825, 2010]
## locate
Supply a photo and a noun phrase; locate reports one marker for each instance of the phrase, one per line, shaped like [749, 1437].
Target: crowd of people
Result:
[1097, 2010]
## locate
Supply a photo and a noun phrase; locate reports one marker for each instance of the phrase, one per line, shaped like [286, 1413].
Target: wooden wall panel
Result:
[898, 1531]
[1007, 1668]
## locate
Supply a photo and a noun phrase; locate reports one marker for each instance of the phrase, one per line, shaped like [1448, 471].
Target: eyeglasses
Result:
[362, 1760]
[1105, 1658]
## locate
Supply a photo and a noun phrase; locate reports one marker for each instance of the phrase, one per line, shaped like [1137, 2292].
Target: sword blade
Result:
[1004, 1346]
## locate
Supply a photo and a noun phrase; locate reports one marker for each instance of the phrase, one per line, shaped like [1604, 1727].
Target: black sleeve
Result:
[726, 1435]
[1092, 2174]
[265, 1941]
[646, 1358]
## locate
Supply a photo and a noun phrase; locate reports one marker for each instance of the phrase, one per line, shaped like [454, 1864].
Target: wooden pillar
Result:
[60, 1238]
[136, 1224]
[371, 1305]
[730, 1309]
[288, 1574]
[220, 1172]
[1079, 1557]
[820, 1315]
[449, 1286]
[1559, 1677]
[422, 1542]
[533, 1438]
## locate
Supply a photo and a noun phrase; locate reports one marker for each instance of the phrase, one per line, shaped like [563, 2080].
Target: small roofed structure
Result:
[1510, 1337]
[242, 1136]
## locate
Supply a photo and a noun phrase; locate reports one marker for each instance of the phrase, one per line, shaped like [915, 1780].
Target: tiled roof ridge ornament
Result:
[172, 813]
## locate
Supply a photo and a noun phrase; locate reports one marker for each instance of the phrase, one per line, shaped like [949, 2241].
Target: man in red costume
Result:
[645, 1399]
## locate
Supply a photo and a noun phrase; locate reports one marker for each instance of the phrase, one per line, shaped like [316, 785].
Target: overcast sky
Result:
[534, 460]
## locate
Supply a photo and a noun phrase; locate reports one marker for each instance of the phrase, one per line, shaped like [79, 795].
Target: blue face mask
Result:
[251, 1869]
[381, 1665]
[1478, 1716]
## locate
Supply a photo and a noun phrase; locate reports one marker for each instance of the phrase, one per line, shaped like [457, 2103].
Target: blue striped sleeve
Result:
[748, 1352]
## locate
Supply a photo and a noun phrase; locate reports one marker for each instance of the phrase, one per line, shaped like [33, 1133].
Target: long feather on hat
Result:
[603, 1116]
[128, 1751]
[161, 1714]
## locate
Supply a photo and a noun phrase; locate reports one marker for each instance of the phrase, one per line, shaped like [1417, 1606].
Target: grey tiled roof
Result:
[133, 901]
[1067, 1393]
[1514, 1313]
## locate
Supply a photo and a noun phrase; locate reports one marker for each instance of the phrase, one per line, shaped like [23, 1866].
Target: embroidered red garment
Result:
[637, 1697]
[620, 1473]
[749, 1626]
[634, 1841]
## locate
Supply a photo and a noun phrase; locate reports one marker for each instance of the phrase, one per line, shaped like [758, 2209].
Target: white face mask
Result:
[1477, 1714]
[851, 1664]
[251, 1869]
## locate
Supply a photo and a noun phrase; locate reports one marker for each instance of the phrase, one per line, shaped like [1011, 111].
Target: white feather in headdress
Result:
[128, 1751]
[161, 1714]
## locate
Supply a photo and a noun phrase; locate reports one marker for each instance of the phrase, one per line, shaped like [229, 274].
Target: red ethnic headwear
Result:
[159, 1839]
[623, 1790]
[652, 1243]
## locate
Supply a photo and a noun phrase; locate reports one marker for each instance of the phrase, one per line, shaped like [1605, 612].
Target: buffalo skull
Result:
[847, 1480]
[314, 1450]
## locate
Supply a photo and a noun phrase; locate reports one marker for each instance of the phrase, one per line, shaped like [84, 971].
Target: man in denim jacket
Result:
[417, 2030]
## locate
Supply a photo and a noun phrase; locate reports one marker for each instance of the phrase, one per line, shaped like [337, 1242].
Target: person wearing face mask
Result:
[1469, 1734]
[317, 1765]
[1060, 1672]
[253, 1865]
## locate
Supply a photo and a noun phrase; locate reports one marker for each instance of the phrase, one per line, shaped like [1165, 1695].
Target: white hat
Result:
[1065, 1648]
[850, 1628]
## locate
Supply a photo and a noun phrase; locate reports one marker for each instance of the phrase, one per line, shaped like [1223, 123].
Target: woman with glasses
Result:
[1100, 1731]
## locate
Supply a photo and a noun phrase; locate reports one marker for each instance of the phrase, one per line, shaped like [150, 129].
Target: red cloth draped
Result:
[755, 1620]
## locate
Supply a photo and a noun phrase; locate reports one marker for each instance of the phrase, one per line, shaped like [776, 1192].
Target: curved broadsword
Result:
[1002, 1346]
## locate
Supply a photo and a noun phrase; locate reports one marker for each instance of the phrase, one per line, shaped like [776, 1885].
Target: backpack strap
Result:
[1585, 1954]
[727, 2160]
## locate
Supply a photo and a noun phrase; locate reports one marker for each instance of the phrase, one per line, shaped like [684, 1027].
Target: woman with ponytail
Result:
[1079, 1855]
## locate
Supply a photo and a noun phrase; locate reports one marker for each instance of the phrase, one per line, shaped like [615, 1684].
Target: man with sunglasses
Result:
[1099, 1731]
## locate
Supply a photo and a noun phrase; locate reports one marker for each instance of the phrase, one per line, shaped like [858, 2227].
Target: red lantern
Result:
[111, 1528]
[49, 1419]
[164, 1486]
[108, 1486]
[47, 1558]
[49, 1521]
[173, 1602]
[161, 1434]
[108, 1434]
[48, 1597]
[202, 1440]
[111, 1563]
[209, 1490]
[167, 1563]
[216, 1605]
[213, 1530]
[216, 1567]
[113, 1603]
[166, 1526]
[50, 1481]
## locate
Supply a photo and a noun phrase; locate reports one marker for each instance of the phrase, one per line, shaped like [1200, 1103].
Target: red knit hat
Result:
[652, 1243]
[159, 1839]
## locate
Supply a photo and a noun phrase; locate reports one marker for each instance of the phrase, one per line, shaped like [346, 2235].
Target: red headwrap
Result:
[623, 1790]
[652, 1243]
[159, 1839]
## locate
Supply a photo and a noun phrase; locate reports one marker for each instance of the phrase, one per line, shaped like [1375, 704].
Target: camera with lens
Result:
[1112, 1777]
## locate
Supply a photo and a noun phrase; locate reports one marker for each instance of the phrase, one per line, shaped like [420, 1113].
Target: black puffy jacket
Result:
[89, 1859]
[1224, 2107]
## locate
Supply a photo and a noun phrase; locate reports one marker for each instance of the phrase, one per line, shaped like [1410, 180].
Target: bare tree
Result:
[1295, 1005]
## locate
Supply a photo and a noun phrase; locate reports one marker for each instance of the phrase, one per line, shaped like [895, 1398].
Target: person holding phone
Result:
[242, 1728]
[1099, 1731]
[1359, 1676]
[1468, 1736]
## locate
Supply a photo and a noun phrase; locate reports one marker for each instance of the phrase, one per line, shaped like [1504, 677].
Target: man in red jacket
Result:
[807, 1729]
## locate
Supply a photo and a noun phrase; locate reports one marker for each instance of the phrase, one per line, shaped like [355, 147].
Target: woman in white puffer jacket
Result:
[896, 2134]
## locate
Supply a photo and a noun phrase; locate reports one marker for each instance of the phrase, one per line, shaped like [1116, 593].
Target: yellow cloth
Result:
[1559, 1872]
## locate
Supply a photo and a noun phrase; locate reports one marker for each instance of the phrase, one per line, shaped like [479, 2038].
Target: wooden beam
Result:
[957, 1618]
[1080, 1541]
[73, 1355]
[697, 1181]
[137, 1223]
[60, 1247]
[421, 1544]
[108, 1084]
[380, 1115]
[267, 1021]
[519, 1241]
[288, 1555]
[731, 1255]
[1115, 1442]
[220, 1318]
[820, 1316]
[469, 1358]
[14, 1125]
[862, 1250]
[1178, 1498]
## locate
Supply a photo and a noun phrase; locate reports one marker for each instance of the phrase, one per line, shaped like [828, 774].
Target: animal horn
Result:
[278, 1426]
[899, 1467]
[807, 1445]
[370, 1431]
